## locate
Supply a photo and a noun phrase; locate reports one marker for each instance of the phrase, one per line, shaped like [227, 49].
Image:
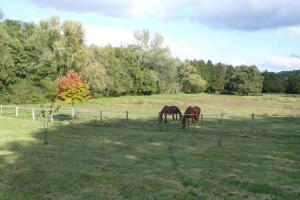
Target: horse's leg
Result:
[196, 122]
[173, 117]
[165, 118]
[188, 121]
[193, 120]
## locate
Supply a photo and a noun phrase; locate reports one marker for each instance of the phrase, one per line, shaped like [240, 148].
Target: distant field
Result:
[211, 104]
[149, 106]
[137, 161]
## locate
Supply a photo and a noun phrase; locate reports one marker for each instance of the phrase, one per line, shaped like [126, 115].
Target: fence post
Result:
[33, 114]
[1, 110]
[17, 111]
[100, 116]
[159, 122]
[252, 123]
[46, 130]
[127, 118]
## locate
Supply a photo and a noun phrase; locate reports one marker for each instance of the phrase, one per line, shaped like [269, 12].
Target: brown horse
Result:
[193, 113]
[170, 110]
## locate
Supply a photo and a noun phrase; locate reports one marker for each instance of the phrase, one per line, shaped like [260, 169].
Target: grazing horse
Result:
[193, 113]
[169, 110]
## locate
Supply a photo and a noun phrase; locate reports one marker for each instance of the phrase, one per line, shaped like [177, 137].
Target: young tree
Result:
[71, 89]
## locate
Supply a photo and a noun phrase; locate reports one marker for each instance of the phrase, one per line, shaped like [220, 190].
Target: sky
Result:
[265, 33]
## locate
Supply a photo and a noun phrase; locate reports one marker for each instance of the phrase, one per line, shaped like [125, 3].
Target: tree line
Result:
[282, 82]
[35, 55]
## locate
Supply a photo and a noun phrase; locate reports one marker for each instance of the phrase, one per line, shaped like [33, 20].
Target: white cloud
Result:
[279, 63]
[114, 36]
[236, 61]
[185, 49]
[188, 48]
[227, 14]
[294, 31]
[103, 36]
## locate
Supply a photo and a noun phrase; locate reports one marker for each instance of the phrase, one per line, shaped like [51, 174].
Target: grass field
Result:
[114, 161]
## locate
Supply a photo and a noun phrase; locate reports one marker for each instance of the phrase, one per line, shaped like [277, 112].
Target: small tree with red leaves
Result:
[71, 89]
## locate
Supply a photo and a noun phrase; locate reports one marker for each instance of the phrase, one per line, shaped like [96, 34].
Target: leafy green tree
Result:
[193, 83]
[96, 76]
[220, 71]
[273, 83]
[154, 56]
[190, 80]
[245, 81]
[294, 84]
[70, 51]
[7, 65]
[50, 89]
[143, 79]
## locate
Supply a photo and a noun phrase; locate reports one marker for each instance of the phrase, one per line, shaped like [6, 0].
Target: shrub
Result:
[25, 92]
[71, 89]
[193, 83]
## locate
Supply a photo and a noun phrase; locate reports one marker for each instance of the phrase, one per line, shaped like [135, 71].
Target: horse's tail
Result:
[199, 111]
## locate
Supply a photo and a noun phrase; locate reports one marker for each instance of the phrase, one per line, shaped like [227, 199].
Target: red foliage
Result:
[72, 89]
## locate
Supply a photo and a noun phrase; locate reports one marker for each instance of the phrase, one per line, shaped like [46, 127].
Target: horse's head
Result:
[160, 116]
[179, 112]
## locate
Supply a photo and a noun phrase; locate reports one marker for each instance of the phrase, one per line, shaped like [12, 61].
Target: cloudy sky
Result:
[265, 33]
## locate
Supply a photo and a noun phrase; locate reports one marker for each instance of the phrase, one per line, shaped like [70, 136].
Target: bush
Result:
[193, 83]
[25, 92]
[72, 89]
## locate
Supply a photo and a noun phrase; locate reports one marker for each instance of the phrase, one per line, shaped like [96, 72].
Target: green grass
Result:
[110, 160]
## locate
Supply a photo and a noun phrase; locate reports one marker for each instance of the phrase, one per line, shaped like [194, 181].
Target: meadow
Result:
[115, 160]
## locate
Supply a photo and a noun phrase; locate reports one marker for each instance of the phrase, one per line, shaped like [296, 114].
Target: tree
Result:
[70, 51]
[71, 89]
[220, 71]
[273, 83]
[245, 81]
[7, 65]
[211, 76]
[154, 56]
[112, 59]
[294, 84]
[96, 76]
[191, 81]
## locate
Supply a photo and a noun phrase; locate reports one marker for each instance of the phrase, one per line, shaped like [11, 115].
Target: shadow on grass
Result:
[116, 160]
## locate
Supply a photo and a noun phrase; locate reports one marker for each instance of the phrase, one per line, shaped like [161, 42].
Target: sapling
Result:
[45, 113]
[220, 118]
